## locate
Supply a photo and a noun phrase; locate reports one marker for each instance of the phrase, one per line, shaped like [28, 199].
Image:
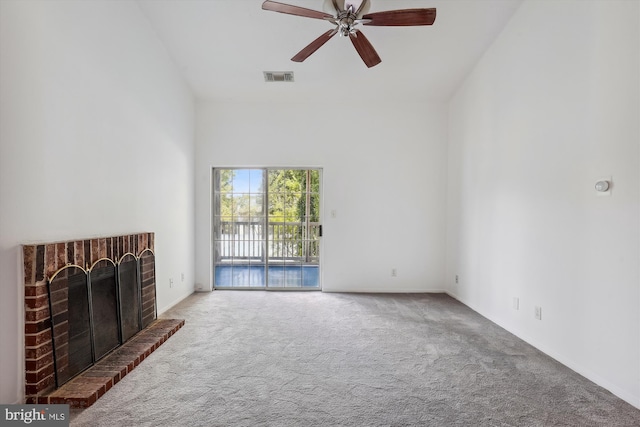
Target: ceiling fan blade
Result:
[403, 17]
[294, 10]
[314, 45]
[365, 49]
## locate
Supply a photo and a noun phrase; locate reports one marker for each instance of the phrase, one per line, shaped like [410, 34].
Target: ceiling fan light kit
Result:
[348, 15]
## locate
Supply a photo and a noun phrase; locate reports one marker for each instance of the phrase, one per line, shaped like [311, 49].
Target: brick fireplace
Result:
[55, 274]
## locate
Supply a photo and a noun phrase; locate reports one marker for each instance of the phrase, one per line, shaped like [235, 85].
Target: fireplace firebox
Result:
[83, 299]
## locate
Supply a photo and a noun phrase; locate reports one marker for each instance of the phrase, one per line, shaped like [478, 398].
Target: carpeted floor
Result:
[321, 359]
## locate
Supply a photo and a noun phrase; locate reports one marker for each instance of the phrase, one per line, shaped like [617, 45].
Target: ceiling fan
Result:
[349, 14]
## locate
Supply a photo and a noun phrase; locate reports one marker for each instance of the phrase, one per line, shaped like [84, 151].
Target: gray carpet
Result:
[316, 359]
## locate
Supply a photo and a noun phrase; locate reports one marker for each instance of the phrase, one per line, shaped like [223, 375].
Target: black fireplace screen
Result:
[104, 304]
[93, 312]
[129, 297]
[69, 308]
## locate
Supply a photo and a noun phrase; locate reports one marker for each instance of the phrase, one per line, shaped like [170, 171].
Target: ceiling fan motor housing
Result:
[346, 22]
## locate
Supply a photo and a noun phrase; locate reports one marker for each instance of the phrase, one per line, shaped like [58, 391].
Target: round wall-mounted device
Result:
[602, 186]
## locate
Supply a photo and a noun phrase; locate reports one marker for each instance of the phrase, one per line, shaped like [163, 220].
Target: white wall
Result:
[384, 170]
[96, 139]
[552, 106]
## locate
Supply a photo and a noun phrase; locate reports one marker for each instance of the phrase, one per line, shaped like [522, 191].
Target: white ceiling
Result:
[223, 46]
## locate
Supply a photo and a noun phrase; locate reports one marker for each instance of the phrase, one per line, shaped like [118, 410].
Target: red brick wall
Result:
[40, 263]
[148, 286]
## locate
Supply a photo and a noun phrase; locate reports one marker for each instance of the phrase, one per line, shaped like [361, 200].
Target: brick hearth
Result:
[86, 388]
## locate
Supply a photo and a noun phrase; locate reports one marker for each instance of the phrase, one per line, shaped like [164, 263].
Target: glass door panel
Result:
[239, 228]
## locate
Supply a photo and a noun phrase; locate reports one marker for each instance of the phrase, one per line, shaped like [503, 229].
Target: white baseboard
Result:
[175, 302]
[382, 291]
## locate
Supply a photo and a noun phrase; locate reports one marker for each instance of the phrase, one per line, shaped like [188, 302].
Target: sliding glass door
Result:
[266, 228]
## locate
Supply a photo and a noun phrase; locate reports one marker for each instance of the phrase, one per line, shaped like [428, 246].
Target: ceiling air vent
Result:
[278, 76]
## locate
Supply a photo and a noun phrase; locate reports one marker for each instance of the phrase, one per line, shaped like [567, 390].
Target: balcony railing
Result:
[284, 242]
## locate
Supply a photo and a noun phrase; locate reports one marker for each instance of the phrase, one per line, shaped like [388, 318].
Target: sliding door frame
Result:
[265, 223]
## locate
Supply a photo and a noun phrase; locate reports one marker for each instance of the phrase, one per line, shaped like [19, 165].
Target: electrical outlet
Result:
[516, 303]
[182, 277]
[171, 283]
[538, 313]
[456, 279]
[394, 272]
